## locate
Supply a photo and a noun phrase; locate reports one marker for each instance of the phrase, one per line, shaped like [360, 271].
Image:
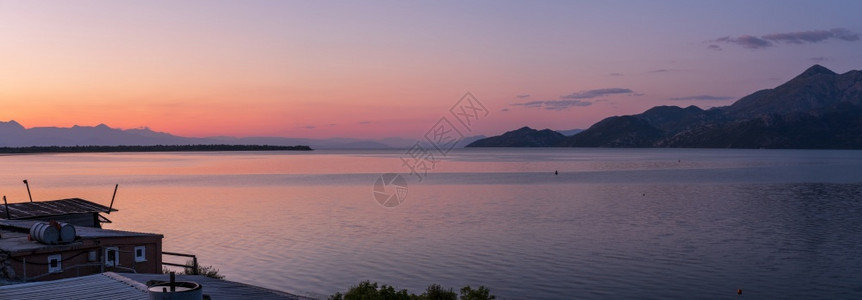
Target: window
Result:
[55, 263]
[140, 253]
[112, 257]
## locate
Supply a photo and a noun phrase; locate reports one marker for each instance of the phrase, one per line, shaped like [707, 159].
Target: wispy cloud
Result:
[714, 47]
[596, 93]
[747, 41]
[616, 74]
[308, 127]
[660, 71]
[576, 99]
[364, 122]
[814, 36]
[523, 96]
[556, 105]
[504, 110]
[798, 37]
[702, 97]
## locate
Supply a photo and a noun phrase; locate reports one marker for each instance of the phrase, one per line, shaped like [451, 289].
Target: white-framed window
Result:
[112, 256]
[55, 263]
[140, 253]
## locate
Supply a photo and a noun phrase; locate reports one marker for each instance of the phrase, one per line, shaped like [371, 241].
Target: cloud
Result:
[819, 58]
[522, 96]
[573, 99]
[363, 122]
[530, 104]
[747, 41]
[714, 47]
[308, 127]
[813, 36]
[799, 37]
[596, 93]
[556, 105]
[504, 110]
[660, 71]
[702, 97]
[616, 74]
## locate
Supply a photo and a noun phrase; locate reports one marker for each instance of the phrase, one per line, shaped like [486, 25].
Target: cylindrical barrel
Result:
[67, 233]
[45, 233]
[181, 290]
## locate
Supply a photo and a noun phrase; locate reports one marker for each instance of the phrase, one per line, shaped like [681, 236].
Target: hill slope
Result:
[817, 109]
[523, 137]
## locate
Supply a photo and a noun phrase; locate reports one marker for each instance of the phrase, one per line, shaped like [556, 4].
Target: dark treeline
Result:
[153, 148]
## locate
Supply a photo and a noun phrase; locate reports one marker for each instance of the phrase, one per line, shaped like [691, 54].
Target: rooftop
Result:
[13, 236]
[112, 285]
[24, 210]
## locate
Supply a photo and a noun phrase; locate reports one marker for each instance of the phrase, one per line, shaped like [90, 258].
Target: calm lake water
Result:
[615, 223]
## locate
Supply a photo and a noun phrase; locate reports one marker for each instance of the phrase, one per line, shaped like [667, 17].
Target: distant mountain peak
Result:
[12, 124]
[816, 70]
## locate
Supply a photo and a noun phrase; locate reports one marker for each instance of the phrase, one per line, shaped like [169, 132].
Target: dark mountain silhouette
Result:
[13, 134]
[570, 132]
[524, 137]
[818, 109]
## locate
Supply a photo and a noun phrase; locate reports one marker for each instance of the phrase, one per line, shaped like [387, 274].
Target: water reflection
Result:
[615, 223]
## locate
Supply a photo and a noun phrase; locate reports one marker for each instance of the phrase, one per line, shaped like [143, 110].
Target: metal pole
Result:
[195, 262]
[112, 198]
[28, 190]
[7, 208]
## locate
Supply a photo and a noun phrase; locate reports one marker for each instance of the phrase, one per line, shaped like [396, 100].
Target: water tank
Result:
[45, 233]
[67, 233]
[175, 290]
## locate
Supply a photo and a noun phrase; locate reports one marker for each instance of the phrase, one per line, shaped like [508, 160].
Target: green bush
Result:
[367, 290]
[482, 293]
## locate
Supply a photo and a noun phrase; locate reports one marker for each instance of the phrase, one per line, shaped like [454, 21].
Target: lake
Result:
[614, 223]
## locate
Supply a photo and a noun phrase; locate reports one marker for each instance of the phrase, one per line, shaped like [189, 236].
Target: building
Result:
[75, 211]
[93, 250]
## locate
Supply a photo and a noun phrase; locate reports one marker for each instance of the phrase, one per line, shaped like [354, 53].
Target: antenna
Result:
[112, 198]
[28, 190]
[7, 208]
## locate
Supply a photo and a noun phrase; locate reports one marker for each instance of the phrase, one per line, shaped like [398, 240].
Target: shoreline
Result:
[151, 148]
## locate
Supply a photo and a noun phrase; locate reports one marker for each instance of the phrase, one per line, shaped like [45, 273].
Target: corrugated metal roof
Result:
[25, 210]
[220, 289]
[111, 285]
[96, 286]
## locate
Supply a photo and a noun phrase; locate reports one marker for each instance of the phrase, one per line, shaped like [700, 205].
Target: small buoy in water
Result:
[739, 291]
[556, 172]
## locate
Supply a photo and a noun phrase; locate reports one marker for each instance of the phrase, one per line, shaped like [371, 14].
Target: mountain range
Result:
[817, 109]
[13, 134]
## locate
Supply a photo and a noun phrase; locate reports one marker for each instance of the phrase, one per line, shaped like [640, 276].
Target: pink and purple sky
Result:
[374, 69]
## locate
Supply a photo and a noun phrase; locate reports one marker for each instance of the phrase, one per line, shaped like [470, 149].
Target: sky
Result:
[376, 69]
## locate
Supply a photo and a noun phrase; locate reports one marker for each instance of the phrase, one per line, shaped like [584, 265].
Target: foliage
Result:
[208, 271]
[367, 290]
[482, 293]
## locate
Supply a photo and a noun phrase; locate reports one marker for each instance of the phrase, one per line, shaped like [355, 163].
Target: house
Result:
[90, 251]
[75, 211]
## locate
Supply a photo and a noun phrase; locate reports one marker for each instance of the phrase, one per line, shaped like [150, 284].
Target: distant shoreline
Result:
[153, 148]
